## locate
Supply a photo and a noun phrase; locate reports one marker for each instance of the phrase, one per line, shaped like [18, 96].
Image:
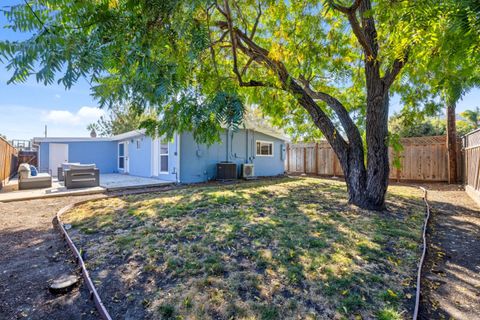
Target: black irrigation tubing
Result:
[424, 251]
[91, 287]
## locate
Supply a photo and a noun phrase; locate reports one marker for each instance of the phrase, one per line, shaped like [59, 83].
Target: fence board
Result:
[8, 161]
[471, 164]
[422, 159]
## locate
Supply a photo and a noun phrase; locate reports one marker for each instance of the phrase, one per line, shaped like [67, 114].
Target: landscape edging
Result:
[424, 251]
[91, 287]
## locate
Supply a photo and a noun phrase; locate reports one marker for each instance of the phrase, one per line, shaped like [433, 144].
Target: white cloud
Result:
[83, 116]
[57, 96]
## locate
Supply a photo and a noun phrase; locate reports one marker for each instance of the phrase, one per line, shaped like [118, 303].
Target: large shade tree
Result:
[321, 66]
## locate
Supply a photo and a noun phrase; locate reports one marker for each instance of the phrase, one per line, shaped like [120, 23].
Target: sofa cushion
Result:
[24, 170]
[82, 166]
[39, 177]
[67, 165]
[33, 171]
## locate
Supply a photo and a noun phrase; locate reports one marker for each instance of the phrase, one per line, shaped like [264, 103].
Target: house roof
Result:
[260, 127]
[248, 124]
[68, 139]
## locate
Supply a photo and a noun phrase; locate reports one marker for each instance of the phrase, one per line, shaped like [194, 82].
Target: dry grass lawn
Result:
[270, 249]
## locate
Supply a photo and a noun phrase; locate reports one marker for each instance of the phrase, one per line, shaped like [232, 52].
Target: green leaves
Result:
[171, 56]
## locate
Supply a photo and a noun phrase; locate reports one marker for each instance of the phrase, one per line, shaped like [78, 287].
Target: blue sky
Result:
[26, 108]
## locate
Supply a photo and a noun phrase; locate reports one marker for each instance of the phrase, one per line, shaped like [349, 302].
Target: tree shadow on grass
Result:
[269, 249]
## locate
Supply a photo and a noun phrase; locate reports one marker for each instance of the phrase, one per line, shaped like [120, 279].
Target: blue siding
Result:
[140, 160]
[43, 157]
[198, 162]
[102, 153]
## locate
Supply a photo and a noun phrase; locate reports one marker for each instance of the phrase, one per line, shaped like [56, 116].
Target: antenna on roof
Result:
[45, 131]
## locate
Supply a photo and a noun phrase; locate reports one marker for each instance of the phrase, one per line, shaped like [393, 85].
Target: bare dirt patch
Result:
[451, 279]
[284, 248]
[32, 253]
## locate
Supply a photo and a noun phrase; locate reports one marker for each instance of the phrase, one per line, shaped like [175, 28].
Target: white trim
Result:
[178, 158]
[39, 156]
[264, 155]
[125, 157]
[155, 160]
[163, 154]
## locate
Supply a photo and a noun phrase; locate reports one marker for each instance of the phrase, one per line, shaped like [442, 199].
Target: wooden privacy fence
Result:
[422, 159]
[8, 161]
[471, 163]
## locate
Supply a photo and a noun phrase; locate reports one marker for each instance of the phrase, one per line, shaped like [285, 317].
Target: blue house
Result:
[180, 160]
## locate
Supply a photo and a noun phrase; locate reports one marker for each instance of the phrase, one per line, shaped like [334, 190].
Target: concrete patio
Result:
[108, 182]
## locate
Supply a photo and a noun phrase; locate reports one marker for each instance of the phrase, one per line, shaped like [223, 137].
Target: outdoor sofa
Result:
[27, 181]
[81, 176]
[62, 168]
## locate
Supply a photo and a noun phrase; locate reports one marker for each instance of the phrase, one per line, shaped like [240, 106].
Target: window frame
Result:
[264, 155]
[160, 154]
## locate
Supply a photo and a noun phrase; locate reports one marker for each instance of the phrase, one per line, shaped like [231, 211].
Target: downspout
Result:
[252, 157]
[246, 145]
[177, 146]
[226, 142]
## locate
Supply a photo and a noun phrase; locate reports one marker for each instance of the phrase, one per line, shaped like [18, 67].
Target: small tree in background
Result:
[120, 119]
[472, 116]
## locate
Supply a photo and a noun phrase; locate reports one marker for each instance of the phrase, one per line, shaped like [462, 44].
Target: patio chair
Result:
[61, 169]
[82, 176]
[27, 181]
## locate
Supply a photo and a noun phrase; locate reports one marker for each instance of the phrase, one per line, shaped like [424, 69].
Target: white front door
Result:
[58, 155]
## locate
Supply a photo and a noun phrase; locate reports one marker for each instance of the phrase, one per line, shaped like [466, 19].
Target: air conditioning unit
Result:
[248, 171]
[226, 171]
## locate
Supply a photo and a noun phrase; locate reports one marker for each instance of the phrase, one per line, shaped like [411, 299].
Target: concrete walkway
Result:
[451, 285]
[32, 253]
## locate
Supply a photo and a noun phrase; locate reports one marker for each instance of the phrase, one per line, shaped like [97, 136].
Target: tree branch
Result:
[319, 117]
[257, 20]
[347, 123]
[351, 13]
[393, 72]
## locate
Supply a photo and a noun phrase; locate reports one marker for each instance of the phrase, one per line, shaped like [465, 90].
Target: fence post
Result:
[305, 159]
[316, 158]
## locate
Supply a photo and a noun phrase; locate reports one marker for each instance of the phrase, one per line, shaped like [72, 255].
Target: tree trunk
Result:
[451, 144]
[366, 187]
[378, 168]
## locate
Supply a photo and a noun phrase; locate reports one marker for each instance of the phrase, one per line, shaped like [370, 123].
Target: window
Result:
[264, 148]
[164, 156]
[121, 155]
[139, 143]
